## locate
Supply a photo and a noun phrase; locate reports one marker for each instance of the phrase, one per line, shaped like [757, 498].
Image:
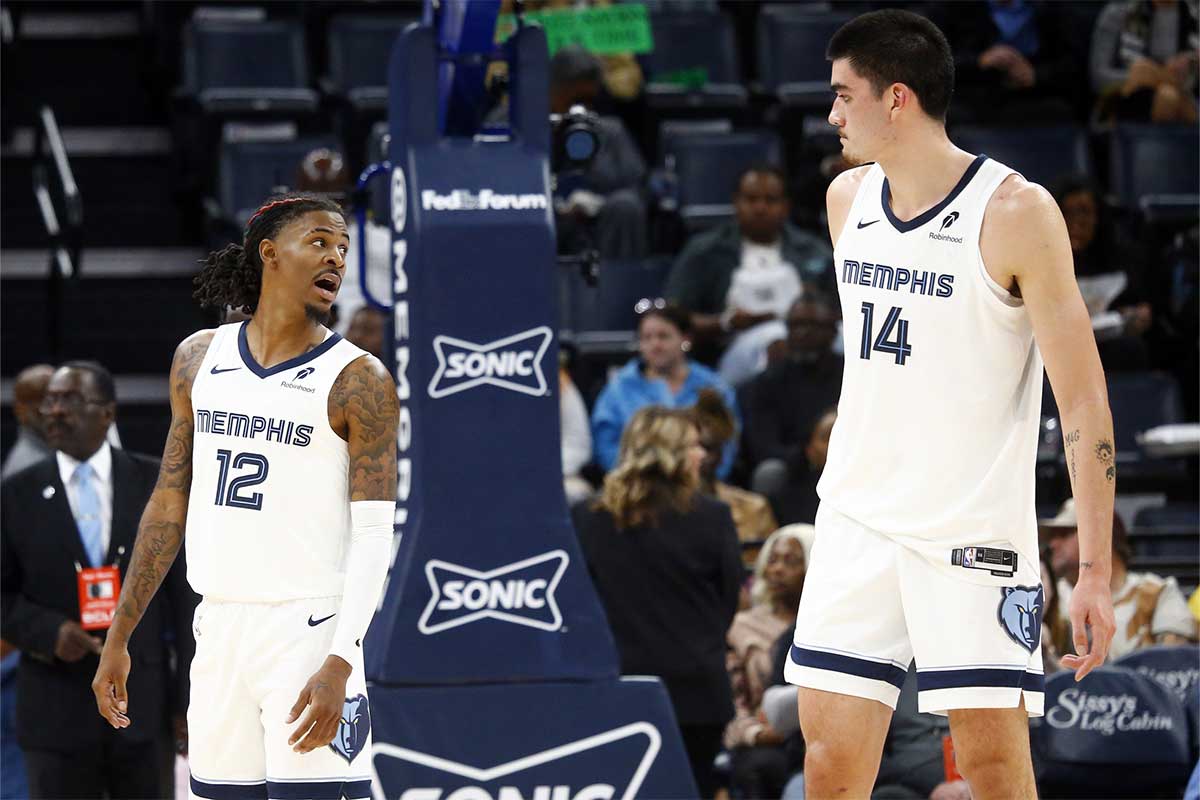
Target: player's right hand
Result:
[109, 685]
[73, 642]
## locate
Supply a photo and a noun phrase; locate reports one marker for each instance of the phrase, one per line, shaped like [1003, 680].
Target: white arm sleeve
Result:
[366, 569]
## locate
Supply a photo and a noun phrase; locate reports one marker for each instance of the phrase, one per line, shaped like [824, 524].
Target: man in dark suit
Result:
[61, 519]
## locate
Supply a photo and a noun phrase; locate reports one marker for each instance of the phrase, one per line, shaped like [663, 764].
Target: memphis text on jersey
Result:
[247, 426]
[897, 279]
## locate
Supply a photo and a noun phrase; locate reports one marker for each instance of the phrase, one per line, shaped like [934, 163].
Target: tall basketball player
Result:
[956, 280]
[280, 464]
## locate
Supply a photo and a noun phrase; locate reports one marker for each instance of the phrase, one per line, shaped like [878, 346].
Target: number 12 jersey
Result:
[269, 511]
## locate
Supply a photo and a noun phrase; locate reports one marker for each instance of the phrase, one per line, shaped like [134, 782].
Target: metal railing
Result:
[61, 207]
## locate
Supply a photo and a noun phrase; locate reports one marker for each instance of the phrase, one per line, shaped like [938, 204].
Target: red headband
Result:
[272, 204]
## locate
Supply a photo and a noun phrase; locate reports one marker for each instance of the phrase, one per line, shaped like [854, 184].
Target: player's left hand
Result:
[1091, 610]
[325, 697]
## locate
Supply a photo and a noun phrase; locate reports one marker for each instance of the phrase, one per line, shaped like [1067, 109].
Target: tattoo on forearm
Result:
[1085, 564]
[366, 397]
[160, 533]
[1107, 456]
[1072, 439]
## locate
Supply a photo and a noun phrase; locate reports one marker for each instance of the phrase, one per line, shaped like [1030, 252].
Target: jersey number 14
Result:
[884, 343]
[232, 492]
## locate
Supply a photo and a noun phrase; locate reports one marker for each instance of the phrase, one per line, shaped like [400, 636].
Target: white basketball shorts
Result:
[870, 605]
[252, 660]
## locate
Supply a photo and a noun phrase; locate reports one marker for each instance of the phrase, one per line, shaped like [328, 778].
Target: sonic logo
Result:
[607, 766]
[521, 593]
[514, 363]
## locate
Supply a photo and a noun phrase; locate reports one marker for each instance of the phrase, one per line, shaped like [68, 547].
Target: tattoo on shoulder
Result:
[1107, 456]
[366, 397]
[176, 470]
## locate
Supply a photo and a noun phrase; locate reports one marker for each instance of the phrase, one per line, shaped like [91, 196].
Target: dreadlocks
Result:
[233, 276]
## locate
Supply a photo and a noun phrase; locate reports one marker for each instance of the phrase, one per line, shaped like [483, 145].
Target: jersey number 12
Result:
[884, 343]
[232, 494]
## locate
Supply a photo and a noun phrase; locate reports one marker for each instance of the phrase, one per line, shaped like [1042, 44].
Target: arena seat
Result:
[696, 40]
[249, 171]
[1175, 667]
[1141, 401]
[359, 48]
[601, 317]
[1170, 530]
[1155, 168]
[1115, 734]
[247, 67]
[707, 167]
[1040, 153]
[791, 53]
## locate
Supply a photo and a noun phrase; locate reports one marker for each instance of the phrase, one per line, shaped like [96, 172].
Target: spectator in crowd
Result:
[324, 171]
[782, 404]
[761, 763]
[751, 512]
[664, 559]
[1143, 61]
[604, 204]
[66, 515]
[662, 374]
[1099, 250]
[1015, 59]
[797, 500]
[366, 330]
[1148, 608]
[30, 446]
[1055, 633]
[576, 438]
[739, 279]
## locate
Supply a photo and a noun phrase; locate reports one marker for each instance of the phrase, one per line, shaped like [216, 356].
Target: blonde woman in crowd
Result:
[761, 764]
[665, 562]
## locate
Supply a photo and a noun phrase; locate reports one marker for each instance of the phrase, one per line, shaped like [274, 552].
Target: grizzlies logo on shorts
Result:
[353, 729]
[1020, 614]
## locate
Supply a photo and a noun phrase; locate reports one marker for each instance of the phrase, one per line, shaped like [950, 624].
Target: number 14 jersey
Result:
[936, 437]
[269, 511]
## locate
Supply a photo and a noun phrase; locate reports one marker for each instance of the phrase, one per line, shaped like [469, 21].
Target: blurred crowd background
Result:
[708, 342]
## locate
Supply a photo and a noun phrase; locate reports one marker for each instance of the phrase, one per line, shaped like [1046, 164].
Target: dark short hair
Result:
[102, 379]
[1073, 183]
[573, 63]
[895, 46]
[762, 168]
[816, 296]
[670, 312]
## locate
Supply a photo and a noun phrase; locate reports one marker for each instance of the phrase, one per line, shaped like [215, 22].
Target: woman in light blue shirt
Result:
[661, 375]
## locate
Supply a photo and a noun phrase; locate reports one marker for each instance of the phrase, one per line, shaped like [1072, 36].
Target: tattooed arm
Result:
[364, 411]
[1024, 243]
[159, 536]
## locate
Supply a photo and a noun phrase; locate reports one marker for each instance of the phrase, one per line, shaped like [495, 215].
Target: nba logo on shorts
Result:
[353, 729]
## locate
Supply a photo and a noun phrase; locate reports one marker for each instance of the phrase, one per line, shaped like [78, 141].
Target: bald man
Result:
[30, 446]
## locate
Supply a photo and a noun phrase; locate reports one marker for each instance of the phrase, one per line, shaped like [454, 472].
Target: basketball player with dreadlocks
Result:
[280, 464]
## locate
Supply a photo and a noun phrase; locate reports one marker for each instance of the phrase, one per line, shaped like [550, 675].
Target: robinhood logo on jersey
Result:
[521, 593]
[608, 766]
[513, 363]
[484, 200]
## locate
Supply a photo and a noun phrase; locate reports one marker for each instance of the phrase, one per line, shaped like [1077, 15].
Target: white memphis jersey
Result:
[936, 437]
[269, 512]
